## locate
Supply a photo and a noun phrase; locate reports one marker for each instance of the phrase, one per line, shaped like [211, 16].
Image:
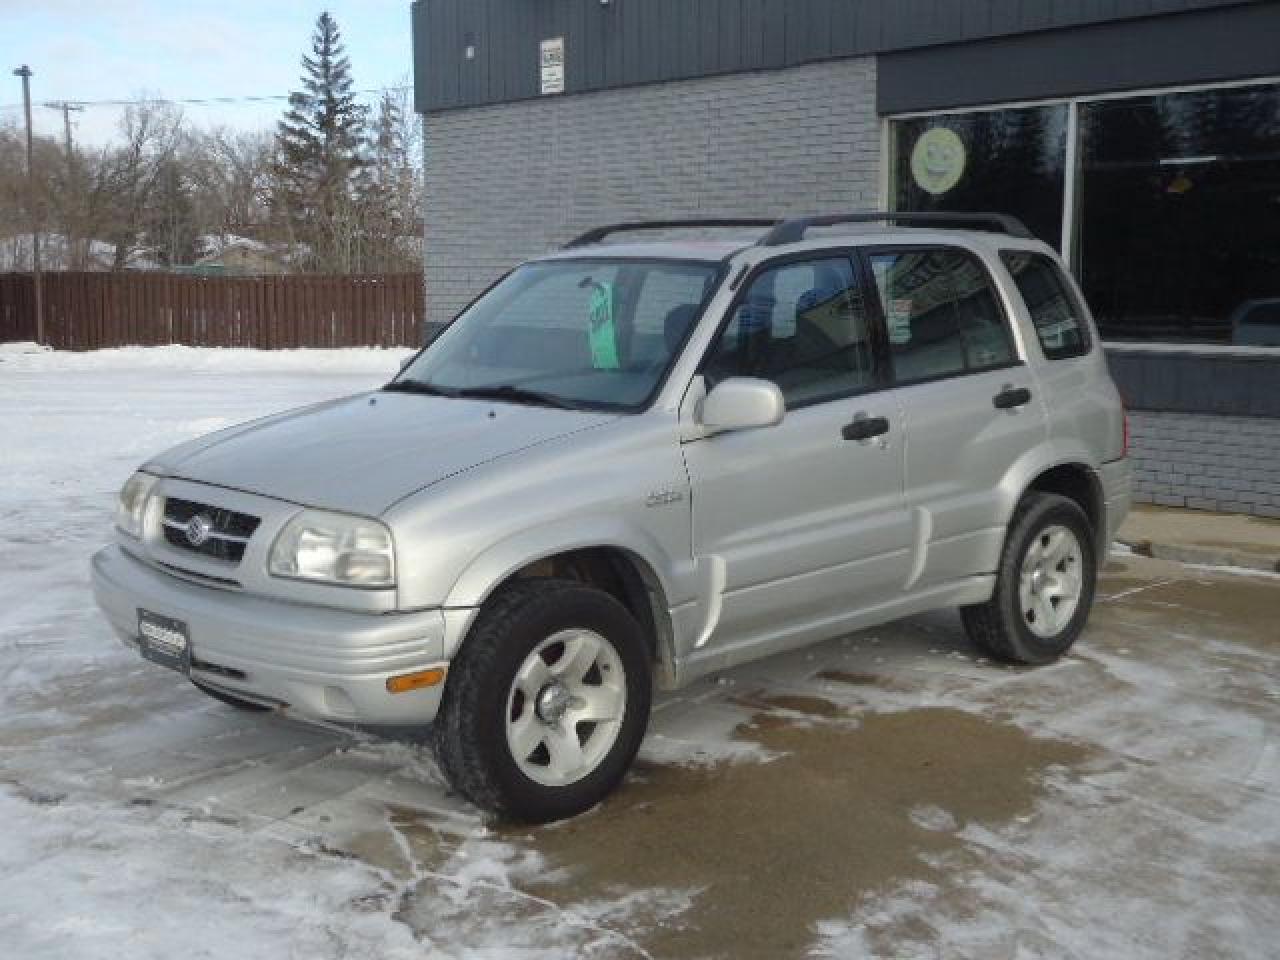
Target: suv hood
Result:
[364, 453]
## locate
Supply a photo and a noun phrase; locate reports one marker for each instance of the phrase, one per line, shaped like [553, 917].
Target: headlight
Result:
[334, 548]
[132, 508]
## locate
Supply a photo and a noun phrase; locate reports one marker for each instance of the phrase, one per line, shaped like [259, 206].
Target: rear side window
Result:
[942, 315]
[1054, 311]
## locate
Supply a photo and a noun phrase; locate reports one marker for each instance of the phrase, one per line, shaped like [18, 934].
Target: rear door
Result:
[805, 520]
[968, 400]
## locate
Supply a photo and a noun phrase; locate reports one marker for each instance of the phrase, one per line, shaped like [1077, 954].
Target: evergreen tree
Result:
[389, 191]
[388, 160]
[318, 159]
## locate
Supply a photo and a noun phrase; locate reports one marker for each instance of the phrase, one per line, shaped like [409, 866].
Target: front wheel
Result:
[546, 703]
[1044, 587]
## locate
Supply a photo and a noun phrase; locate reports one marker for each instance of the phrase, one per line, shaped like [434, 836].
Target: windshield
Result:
[571, 333]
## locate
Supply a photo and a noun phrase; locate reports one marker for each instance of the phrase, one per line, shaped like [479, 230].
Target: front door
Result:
[804, 521]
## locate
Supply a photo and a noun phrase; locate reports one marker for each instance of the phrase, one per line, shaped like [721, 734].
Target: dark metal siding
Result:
[1192, 381]
[628, 42]
[1202, 47]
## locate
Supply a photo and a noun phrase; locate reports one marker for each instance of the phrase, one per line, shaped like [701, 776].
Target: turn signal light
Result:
[415, 681]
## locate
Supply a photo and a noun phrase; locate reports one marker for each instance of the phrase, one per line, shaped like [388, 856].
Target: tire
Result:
[1029, 619]
[542, 652]
[227, 698]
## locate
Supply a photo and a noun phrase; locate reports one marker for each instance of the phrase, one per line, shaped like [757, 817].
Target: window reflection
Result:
[1179, 216]
[1007, 161]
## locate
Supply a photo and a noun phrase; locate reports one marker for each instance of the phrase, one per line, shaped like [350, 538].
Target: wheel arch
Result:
[626, 568]
[1078, 482]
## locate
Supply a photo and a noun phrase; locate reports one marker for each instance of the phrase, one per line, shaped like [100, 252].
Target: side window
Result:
[942, 315]
[804, 326]
[1054, 311]
[665, 309]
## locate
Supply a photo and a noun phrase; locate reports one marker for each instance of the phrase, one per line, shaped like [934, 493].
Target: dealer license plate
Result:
[164, 640]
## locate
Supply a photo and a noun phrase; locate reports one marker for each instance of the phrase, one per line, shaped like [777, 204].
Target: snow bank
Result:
[355, 360]
[16, 347]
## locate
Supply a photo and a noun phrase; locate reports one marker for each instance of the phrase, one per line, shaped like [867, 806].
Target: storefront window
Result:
[1006, 161]
[1178, 222]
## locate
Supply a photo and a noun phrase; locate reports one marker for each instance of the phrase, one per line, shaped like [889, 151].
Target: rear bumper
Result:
[1117, 494]
[317, 663]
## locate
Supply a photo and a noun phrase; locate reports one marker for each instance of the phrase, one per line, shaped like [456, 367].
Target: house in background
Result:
[240, 256]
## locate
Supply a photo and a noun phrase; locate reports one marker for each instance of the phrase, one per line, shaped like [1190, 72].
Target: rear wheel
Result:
[1044, 587]
[546, 702]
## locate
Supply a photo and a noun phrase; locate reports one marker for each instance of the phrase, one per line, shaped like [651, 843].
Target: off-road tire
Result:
[247, 705]
[997, 626]
[469, 734]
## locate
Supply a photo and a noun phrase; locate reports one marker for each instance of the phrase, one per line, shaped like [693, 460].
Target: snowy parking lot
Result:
[885, 794]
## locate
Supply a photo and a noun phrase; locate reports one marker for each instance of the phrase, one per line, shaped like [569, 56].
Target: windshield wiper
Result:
[507, 391]
[419, 386]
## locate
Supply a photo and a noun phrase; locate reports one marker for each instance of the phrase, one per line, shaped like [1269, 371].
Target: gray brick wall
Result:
[508, 182]
[1206, 461]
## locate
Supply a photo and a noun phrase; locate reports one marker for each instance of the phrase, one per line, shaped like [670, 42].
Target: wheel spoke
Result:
[564, 749]
[1067, 585]
[599, 704]
[1046, 615]
[1055, 549]
[525, 734]
[1034, 552]
[533, 676]
[580, 653]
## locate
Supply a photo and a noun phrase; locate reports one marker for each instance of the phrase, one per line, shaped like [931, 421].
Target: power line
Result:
[265, 98]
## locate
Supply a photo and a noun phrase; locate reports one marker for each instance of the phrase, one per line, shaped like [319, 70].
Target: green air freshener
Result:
[602, 334]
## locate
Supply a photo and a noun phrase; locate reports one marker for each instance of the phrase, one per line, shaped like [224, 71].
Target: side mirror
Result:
[741, 403]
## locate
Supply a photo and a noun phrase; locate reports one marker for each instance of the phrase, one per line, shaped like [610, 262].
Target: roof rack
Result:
[599, 233]
[792, 231]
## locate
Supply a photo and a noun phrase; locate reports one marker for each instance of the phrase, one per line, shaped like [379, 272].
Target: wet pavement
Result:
[890, 793]
[886, 794]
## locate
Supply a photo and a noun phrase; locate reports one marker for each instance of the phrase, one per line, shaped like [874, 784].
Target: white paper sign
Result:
[552, 64]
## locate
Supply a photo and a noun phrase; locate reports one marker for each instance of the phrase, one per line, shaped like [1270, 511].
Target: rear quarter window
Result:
[1055, 312]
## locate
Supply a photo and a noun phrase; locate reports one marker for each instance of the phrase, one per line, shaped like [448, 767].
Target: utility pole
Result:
[71, 187]
[32, 208]
[66, 106]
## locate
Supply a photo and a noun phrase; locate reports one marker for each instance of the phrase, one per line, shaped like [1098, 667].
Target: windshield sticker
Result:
[602, 333]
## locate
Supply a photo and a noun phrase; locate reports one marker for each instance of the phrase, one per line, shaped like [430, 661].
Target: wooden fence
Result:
[85, 311]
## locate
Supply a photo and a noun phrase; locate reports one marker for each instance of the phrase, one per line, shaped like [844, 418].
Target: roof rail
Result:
[597, 234]
[792, 231]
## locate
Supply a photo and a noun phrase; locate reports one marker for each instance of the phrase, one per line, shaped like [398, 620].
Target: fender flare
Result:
[1043, 459]
[495, 565]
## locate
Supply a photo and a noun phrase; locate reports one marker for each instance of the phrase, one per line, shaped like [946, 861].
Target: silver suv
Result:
[627, 465]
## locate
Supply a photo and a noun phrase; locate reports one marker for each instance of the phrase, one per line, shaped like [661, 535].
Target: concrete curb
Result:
[1205, 556]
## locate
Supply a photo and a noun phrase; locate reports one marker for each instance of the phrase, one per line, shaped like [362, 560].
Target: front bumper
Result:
[314, 662]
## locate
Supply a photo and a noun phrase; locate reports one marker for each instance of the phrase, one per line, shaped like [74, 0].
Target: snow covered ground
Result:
[887, 794]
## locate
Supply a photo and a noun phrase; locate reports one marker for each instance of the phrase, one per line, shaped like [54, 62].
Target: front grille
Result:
[226, 531]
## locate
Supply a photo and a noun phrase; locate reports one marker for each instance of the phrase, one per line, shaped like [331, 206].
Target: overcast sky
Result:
[117, 49]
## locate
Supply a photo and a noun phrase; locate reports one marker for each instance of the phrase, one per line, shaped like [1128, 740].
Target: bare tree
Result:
[232, 180]
[130, 180]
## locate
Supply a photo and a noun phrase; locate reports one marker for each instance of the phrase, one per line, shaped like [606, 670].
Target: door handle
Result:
[865, 428]
[1010, 397]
